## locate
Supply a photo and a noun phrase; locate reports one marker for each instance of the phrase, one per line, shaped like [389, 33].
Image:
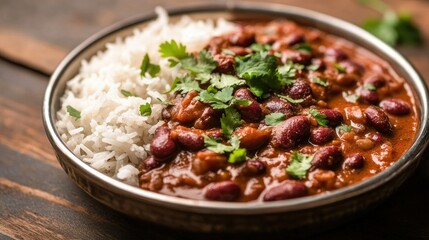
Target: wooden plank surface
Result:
[39, 201]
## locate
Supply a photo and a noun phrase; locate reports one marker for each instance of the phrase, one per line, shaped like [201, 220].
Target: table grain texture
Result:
[39, 201]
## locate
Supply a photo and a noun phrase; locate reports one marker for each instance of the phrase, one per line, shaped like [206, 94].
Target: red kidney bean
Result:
[286, 190]
[190, 140]
[335, 54]
[334, 117]
[355, 161]
[252, 138]
[328, 158]
[290, 132]
[377, 118]
[395, 106]
[318, 62]
[254, 167]
[296, 56]
[209, 118]
[322, 135]
[369, 96]
[242, 38]
[299, 90]
[165, 114]
[288, 41]
[275, 104]
[251, 113]
[225, 63]
[162, 145]
[352, 67]
[151, 163]
[226, 191]
[376, 80]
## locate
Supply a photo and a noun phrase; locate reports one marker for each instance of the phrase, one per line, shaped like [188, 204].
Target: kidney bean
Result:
[318, 62]
[296, 56]
[335, 54]
[189, 109]
[346, 79]
[299, 90]
[208, 161]
[377, 118]
[243, 37]
[334, 117]
[150, 163]
[376, 80]
[395, 106]
[216, 44]
[327, 158]
[355, 161]
[275, 104]
[254, 167]
[252, 138]
[288, 41]
[322, 135]
[190, 140]
[216, 133]
[352, 67]
[290, 132]
[286, 190]
[225, 63]
[251, 113]
[226, 191]
[369, 96]
[162, 145]
[209, 118]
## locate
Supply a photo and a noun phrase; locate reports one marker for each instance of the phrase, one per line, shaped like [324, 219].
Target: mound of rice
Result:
[111, 135]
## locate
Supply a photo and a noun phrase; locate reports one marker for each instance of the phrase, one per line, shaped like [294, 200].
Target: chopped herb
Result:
[173, 85]
[320, 81]
[320, 117]
[370, 86]
[225, 80]
[351, 98]
[145, 110]
[126, 93]
[147, 67]
[299, 165]
[289, 99]
[238, 155]
[392, 28]
[213, 145]
[340, 68]
[257, 47]
[185, 85]
[286, 73]
[172, 49]
[273, 119]
[303, 47]
[230, 120]
[165, 102]
[73, 112]
[277, 54]
[313, 67]
[203, 65]
[228, 51]
[218, 100]
[343, 128]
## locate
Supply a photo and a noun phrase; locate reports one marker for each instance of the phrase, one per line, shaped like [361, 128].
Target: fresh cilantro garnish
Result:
[230, 120]
[303, 47]
[126, 93]
[228, 51]
[351, 98]
[165, 102]
[313, 67]
[289, 99]
[392, 28]
[238, 155]
[343, 128]
[320, 117]
[225, 80]
[369, 86]
[320, 81]
[259, 71]
[201, 66]
[145, 109]
[299, 165]
[73, 112]
[221, 99]
[148, 67]
[257, 47]
[340, 68]
[273, 119]
[185, 85]
[286, 73]
[172, 49]
[213, 145]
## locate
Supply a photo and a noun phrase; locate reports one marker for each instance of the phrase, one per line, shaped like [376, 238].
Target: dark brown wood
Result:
[39, 201]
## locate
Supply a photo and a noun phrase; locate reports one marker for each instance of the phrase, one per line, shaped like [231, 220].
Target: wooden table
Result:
[39, 201]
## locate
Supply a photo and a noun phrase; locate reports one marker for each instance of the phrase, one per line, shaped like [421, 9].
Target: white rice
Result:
[111, 135]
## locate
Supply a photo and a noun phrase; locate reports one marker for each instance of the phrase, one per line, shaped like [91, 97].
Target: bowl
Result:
[309, 213]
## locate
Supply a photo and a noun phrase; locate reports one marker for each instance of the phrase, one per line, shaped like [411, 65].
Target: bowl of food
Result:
[237, 117]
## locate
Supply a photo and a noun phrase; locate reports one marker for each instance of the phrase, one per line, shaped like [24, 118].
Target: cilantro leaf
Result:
[230, 120]
[218, 100]
[225, 80]
[126, 93]
[228, 51]
[286, 73]
[213, 145]
[73, 112]
[273, 119]
[289, 99]
[204, 63]
[320, 117]
[369, 86]
[351, 98]
[145, 110]
[340, 68]
[303, 47]
[320, 81]
[172, 49]
[238, 155]
[148, 67]
[257, 47]
[165, 102]
[185, 85]
[313, 67]
[343, 128]
[173, 85]
[299, 165]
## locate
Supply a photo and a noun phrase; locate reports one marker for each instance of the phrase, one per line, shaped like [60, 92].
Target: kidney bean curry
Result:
[276, 111]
